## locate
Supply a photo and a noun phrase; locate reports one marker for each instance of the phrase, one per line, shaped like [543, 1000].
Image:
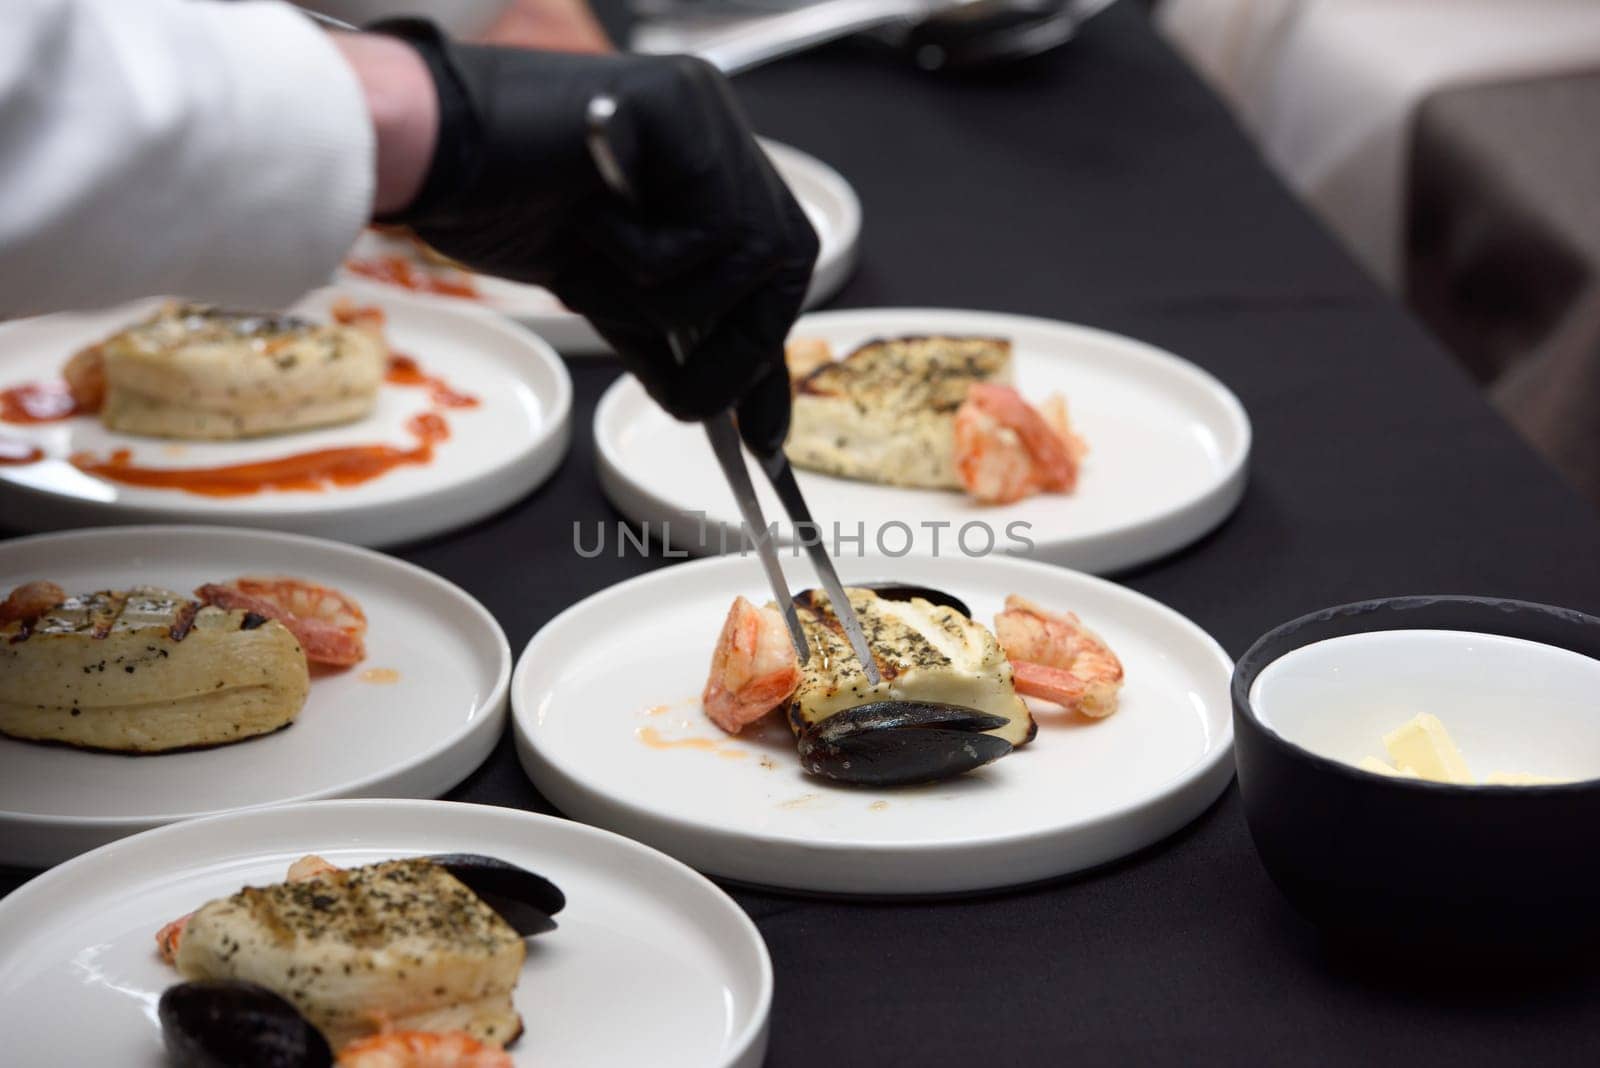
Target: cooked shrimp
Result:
[366, 317]
[1055, 657]
[329, 625]
[422, 1049]
[1005, 450]
[754, 668]
[30, 601]
[85, 373]
[1054, 410]
[805, 354]
[169, 936]
[307, 867]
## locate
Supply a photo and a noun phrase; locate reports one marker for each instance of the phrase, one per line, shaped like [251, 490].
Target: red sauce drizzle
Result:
[404, 371]
[307, 471]
[19, 452]
[313, 471]
[38, 402]
[399, 271]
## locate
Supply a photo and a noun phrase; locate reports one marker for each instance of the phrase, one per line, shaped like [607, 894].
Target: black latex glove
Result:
[713, 248]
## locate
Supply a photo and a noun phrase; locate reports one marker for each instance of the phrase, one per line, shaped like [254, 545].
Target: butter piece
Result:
[1378, 767]
[1518, 778]
[1425, 746]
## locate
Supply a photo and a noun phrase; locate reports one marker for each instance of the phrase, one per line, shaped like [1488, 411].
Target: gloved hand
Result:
[712, 248]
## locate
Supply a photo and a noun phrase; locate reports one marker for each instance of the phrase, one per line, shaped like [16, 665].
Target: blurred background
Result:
[1448, 144]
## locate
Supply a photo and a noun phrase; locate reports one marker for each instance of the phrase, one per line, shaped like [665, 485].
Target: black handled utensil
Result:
[723, 434]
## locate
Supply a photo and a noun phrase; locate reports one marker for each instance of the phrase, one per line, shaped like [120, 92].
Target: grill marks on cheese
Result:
[886, 412]
[147, 670]
[923, 651]
[401, 944]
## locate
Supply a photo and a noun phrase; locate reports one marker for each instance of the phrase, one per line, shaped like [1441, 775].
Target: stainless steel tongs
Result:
[723, 434]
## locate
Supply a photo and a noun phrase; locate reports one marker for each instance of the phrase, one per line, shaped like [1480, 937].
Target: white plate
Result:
[497, 452]
[417, 736]
[827, 198]
[651, 964]
[1168, 449]
[1080, 794]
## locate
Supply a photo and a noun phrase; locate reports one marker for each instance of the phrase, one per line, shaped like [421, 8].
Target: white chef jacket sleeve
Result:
[220, 151]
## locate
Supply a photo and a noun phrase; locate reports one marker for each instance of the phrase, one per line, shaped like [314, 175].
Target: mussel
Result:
[230, 1023]
[897, 743]
[526, 901]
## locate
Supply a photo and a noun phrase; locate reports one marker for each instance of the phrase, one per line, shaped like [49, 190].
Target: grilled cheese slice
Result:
[401, 945]
[886, 412]
[924, 652]
[197, 372]
[147, 671]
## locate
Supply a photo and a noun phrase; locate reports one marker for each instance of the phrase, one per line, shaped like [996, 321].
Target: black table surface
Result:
[1105, 185]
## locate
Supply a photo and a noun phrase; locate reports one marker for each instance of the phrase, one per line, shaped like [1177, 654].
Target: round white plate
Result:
[416, 736]
[1168, 450]
[497, 452]
[626, 667]
[827, 198]
[650, 963]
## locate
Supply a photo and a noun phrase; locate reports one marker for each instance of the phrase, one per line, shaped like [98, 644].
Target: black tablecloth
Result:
[1106, 186]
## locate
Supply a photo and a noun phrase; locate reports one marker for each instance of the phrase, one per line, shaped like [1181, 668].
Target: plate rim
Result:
[495, 704]
[546, 450]
[1218, 753]
[1227, 486]
[747, 1042]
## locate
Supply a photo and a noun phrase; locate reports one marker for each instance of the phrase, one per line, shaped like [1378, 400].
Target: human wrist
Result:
[404, 108]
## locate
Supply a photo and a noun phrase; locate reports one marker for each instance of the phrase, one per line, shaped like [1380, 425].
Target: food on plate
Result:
[1006, 450]
[399, 959]
[948, 700]
[1055, 657]
[194, 371]
[147, 670]
[330, 625]
[753, 667]
[886, 412]
[142, 670]
[1421, 748]
[400, 258]
[932, 412]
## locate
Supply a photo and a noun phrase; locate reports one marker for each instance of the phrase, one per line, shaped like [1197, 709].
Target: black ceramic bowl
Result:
[1397, 861]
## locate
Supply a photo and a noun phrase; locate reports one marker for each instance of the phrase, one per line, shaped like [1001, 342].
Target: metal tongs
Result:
[723, 433]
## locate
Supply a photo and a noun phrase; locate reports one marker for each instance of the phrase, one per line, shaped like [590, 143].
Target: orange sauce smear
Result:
[46, 402]
[405, 371]
[314, 471]
[380, 676]
[654, 739]
[400, 271]
[38, 402]
[19, 452]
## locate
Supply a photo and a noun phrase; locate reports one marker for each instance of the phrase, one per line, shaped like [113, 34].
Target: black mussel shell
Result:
[896, 743]
[229, 1023]
[899, 591]
[524, 900]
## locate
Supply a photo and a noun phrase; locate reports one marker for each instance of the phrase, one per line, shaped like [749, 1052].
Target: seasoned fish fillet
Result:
[924, 652]
[886, 412]
[193, 371]
[146, 671]
[401, 943]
